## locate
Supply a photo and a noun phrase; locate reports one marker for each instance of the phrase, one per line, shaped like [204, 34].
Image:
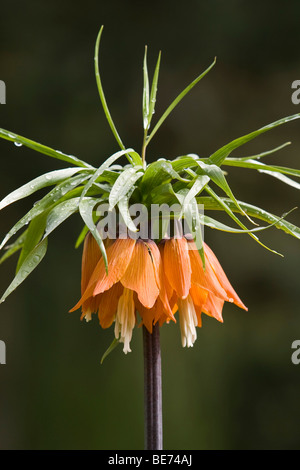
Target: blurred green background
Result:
[237, 388]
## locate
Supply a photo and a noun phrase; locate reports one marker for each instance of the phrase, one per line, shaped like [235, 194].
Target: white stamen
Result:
[188, 321]
[125, 319]
[88, 316]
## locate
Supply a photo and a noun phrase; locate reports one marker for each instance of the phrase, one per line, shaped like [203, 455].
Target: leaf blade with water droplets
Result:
[30, 263]
[48, 179]
[8, 135]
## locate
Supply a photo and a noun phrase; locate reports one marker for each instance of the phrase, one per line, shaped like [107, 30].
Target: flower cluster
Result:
[153, 277]
[155, 280]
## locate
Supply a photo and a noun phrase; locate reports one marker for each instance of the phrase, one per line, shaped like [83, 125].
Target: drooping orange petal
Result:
[90, 256]
[168, 288]
[160, 278]
[90, 306]
[177, 266]
[198, 295]
[140, 276]
[108, 304]
[147, 314]
[213, 307]
[206, 279]
[198, 311]
[118, 256]
[218, 270]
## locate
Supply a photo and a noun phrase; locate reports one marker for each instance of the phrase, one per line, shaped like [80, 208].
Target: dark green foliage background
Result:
[237, 388]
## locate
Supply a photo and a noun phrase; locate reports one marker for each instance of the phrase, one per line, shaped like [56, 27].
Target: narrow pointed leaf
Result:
[53, 197]
[113, 345]
[258, 156]
[157, 173]
[197, 187]
[254, 211]
[183, 162]
[101, 92]
[153, 91]
[145, 93]
[219, 156]
[190, 213]
[123, 206]
[228, 210]
[14, 247]
[282, 178]
[212, 223]
[48, 179]
[8, 135]
[217, 176]
[177, 100]
[123, 185]
[102, 168]
[30, 263]
[254, 165]
[81, 236]
[60, 213]
[33, 237]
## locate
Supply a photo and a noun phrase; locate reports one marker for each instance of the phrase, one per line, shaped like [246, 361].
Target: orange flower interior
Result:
[154, 281]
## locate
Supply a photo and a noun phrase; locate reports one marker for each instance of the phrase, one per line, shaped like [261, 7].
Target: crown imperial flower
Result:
[154, 281]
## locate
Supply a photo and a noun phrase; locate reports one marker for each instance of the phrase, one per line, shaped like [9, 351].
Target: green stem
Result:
[144, 146]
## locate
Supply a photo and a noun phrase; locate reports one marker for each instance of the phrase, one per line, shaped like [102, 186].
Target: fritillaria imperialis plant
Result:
[151, 274]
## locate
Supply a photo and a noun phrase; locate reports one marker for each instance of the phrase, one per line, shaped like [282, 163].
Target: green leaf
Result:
[190, 211]
[219, 156]
[123, 185]
[123, 206]
[153, 91]
[8, 135]
[282, 178]
[30, 263]
[254, 211]
[102, 168]
[113, 345]
[198, 185]
[135, 158]
[145, 93]
[14, 247]
[60, 213]
[254, 165]
[158, 173]
[217, 176]
[215, 224]
[48, 179]
[228, 210]
[81, 236]
[102, 96]
[53, 197]
[177, 100]
[263, 154]
[108, 176]
[163, 194]
[186, 161]
[86, 209]
[33, 237]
